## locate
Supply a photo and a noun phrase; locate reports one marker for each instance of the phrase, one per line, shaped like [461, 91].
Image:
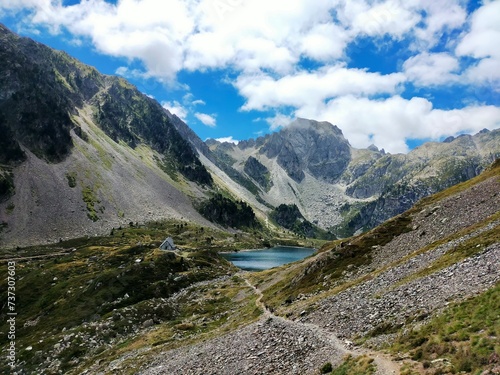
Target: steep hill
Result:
[386, 287]
[82, 152]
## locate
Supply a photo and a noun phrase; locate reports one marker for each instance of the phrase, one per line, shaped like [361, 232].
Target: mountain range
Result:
[82, 153]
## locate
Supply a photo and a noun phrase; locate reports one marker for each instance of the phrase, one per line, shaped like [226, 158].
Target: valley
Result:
[362, 304]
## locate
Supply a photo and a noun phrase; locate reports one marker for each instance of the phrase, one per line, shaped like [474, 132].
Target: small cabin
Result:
[168, 244]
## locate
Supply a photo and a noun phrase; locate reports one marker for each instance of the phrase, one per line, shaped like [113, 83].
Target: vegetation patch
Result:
[229, 213]
[464, 338]
[107, 289]
[361, 365]
[6, 185]
[169, 167]
[125, 114]
[10, 208]
[289, 216]
[258, 172]
[91, 201]
[71, 177]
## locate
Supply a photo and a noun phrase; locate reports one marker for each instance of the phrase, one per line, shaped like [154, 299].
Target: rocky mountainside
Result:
[82, 152]
[424, 286]
[311, 164]
[418, 294]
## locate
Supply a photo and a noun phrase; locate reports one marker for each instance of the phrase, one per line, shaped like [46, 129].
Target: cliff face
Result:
[256, 170]
[309, 146]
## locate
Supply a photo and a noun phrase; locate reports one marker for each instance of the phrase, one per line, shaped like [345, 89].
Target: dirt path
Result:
[42, 256]
[385, 366]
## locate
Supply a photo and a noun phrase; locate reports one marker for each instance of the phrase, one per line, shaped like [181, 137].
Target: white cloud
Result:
[208, 120]
[430, 69]
[440, 15]
[131, 73]
[175, 108]
[198, 102]
[312, 88]
[324, 42]
[228, 140]
[389, 123]
[388, 17]
[482, 43]
[278, 121]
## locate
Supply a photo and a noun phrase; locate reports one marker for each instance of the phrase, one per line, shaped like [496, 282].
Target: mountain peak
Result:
[303, 123]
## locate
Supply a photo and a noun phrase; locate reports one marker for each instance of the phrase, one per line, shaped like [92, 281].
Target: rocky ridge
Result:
[312, 165]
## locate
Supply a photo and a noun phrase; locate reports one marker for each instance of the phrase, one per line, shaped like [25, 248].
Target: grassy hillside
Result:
[107, 290]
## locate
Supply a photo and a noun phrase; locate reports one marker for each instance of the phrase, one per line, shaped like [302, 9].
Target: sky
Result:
[392, 73]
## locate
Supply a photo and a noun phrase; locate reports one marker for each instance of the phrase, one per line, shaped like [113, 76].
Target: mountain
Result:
[347, 190]
[82, 152]
[417, 294]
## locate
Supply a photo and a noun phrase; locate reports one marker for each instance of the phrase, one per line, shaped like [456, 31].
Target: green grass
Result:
[361, 365]
[467, 334]
[88, 196]
[89, 285]
[71, 177]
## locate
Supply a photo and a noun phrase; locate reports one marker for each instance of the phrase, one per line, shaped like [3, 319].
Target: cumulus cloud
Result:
[388, 123]
[248, 35]
[208, 120]
[311, 88]
[481, 42]
[430, 69]
[388, 17]
[228, 140]
[443, 15]
[278, 121]
[176, 109]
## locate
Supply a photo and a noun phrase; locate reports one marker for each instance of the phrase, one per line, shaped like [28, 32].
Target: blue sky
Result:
[394, 73]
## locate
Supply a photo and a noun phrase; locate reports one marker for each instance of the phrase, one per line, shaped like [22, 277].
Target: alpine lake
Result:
[263, 259]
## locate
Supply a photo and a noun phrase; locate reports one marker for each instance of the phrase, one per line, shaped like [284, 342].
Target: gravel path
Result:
[273, 345]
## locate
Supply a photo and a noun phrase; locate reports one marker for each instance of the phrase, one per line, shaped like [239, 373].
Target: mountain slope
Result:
[404, 286]
[310, 164]
[380, 287]
[84, 152]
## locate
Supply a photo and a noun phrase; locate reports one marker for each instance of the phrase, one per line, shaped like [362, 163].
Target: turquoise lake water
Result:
[263, 259]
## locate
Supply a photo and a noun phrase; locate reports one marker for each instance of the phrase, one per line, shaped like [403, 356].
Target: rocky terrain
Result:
[449, 253]
[85, 153]
[312, 165]
[271, 346]
[147, 311]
